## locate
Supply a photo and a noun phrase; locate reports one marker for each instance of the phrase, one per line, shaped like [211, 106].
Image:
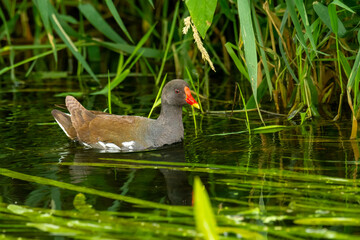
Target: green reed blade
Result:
[203, 212]
[262, 52]
[12, 54]
[45, 13]
[329, 221]
[109, 93]
[355, 68]
[117, 47]
[157, 101]
[341, 4]
[345, 64]
[138, 46]
[281, 48]
[69, 43]
[229, 48]
[302, 11]
[93, 16]
[299, 32]
[196, 90]
[5, 69]
[323, 13]
[245, 108]
[168, 44]
[247, 33]
[72, 187]
[115, 82]
[117, 17]
[151, 3]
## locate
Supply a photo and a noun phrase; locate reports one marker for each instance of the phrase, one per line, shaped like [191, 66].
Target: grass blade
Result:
[296, 22]
[157, 99]
[5, 69]
[229, 47]
[117, 80]
[262, 52]
[72, 187]
[116, 15]
[45, 12]
[99, 23]
[302, 11]
[247, 33]
[203, 212]
[323, 13]
[63, 35]
[171, 34]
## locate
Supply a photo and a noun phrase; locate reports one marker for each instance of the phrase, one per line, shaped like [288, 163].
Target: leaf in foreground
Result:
[204, 216]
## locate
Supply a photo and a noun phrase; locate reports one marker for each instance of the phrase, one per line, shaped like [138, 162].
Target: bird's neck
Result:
[170, 114]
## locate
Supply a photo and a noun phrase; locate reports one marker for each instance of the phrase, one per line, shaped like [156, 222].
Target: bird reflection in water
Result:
[158, 183]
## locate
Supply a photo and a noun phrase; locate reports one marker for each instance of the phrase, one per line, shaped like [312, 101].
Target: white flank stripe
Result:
[129, 145]
[112, 146]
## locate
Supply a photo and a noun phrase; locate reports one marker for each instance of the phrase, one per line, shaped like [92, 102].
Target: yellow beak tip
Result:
[196, 105]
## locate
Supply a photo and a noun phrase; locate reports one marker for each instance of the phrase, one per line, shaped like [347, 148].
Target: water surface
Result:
[298, 183]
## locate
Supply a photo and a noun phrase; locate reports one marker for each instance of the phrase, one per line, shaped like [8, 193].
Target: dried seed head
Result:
[204, 54]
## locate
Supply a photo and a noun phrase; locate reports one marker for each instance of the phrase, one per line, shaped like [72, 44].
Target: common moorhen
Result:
[128, 133]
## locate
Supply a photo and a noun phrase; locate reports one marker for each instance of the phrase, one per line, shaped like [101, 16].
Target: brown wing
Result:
[120, 130]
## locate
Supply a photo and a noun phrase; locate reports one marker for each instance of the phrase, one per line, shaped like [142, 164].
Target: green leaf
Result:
[302, 11]
[329, 221]
[63, 35]
[229, 48]
[151, 3]
[45, 11]
[116, 15]
[345, 64]
[247, 33]
[262, 52]
[99, 23]
[340, 4]
[203, 212]
[202, 13]
[264, 129]
[116, 47]
[296, 22]
[118, 79]
[269, 129]
[354, 71]
[323, 13]
[333, 18]
[281, 48]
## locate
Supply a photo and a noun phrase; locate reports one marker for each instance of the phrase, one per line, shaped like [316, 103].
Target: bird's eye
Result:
[177, 90]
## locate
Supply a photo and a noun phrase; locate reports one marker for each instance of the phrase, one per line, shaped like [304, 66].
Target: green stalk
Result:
[12, 54]
[168, 42]
[5, 69]
[109, 93]
[334, 26]
[246, 113]
[156, 103]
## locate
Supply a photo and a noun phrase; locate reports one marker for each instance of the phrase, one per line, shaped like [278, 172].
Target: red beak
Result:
[189, 98]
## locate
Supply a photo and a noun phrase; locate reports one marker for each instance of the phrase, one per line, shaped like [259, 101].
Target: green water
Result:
[299, 183]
